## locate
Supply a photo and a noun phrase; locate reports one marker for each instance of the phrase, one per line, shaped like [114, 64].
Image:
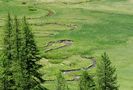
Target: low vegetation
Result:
[69, 37]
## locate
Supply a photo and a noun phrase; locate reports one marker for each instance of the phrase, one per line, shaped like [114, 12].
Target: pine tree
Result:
[106, 76]
[86, 82]
[61, 83]
[16, 50]
[7, 76]
[31, 56]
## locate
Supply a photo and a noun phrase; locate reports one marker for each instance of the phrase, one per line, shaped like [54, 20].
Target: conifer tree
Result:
[7, 76]
[17, 53]
[31, 56]
[61, 82]
[106, 76]
[86, 82]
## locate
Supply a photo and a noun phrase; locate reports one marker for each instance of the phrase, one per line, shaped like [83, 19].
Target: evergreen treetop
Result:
[7, 80]
[106, 76]
[31, 57]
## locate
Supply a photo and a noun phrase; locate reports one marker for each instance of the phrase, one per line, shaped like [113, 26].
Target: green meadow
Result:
[68, 31]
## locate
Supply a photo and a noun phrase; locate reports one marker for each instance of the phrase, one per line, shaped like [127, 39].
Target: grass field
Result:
[86, 28]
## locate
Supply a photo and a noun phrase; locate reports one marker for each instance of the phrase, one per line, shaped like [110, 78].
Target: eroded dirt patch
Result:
[54, 45]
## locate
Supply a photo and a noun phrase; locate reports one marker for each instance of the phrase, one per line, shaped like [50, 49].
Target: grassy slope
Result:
[99, 27]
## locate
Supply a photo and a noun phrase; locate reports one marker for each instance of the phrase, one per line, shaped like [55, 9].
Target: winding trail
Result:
[68, 43]
[93, 60]
[65, 42]
[75, 78]
[71, 26]
[50, 13]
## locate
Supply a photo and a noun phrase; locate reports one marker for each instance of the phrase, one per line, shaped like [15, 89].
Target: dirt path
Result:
[64, 42]
[93, 60]
[71, 26]
[68, 43]
[75, 78]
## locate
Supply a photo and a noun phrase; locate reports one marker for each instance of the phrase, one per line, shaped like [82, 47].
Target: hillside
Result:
[72, 34]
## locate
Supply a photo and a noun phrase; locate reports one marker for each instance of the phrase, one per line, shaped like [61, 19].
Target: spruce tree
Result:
[7, 75]
[30, 57]
[61, 82]
[86, 82]
[106, 76]
[17, 50]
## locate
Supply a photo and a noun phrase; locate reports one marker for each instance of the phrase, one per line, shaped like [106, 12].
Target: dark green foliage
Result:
[106, 77]
[7, 76]
[86, 82]
[61, 82]
[20, 70]
[31, 57]
[17, 49]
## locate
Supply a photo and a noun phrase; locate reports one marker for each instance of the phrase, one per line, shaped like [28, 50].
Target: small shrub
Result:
[24, 3]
